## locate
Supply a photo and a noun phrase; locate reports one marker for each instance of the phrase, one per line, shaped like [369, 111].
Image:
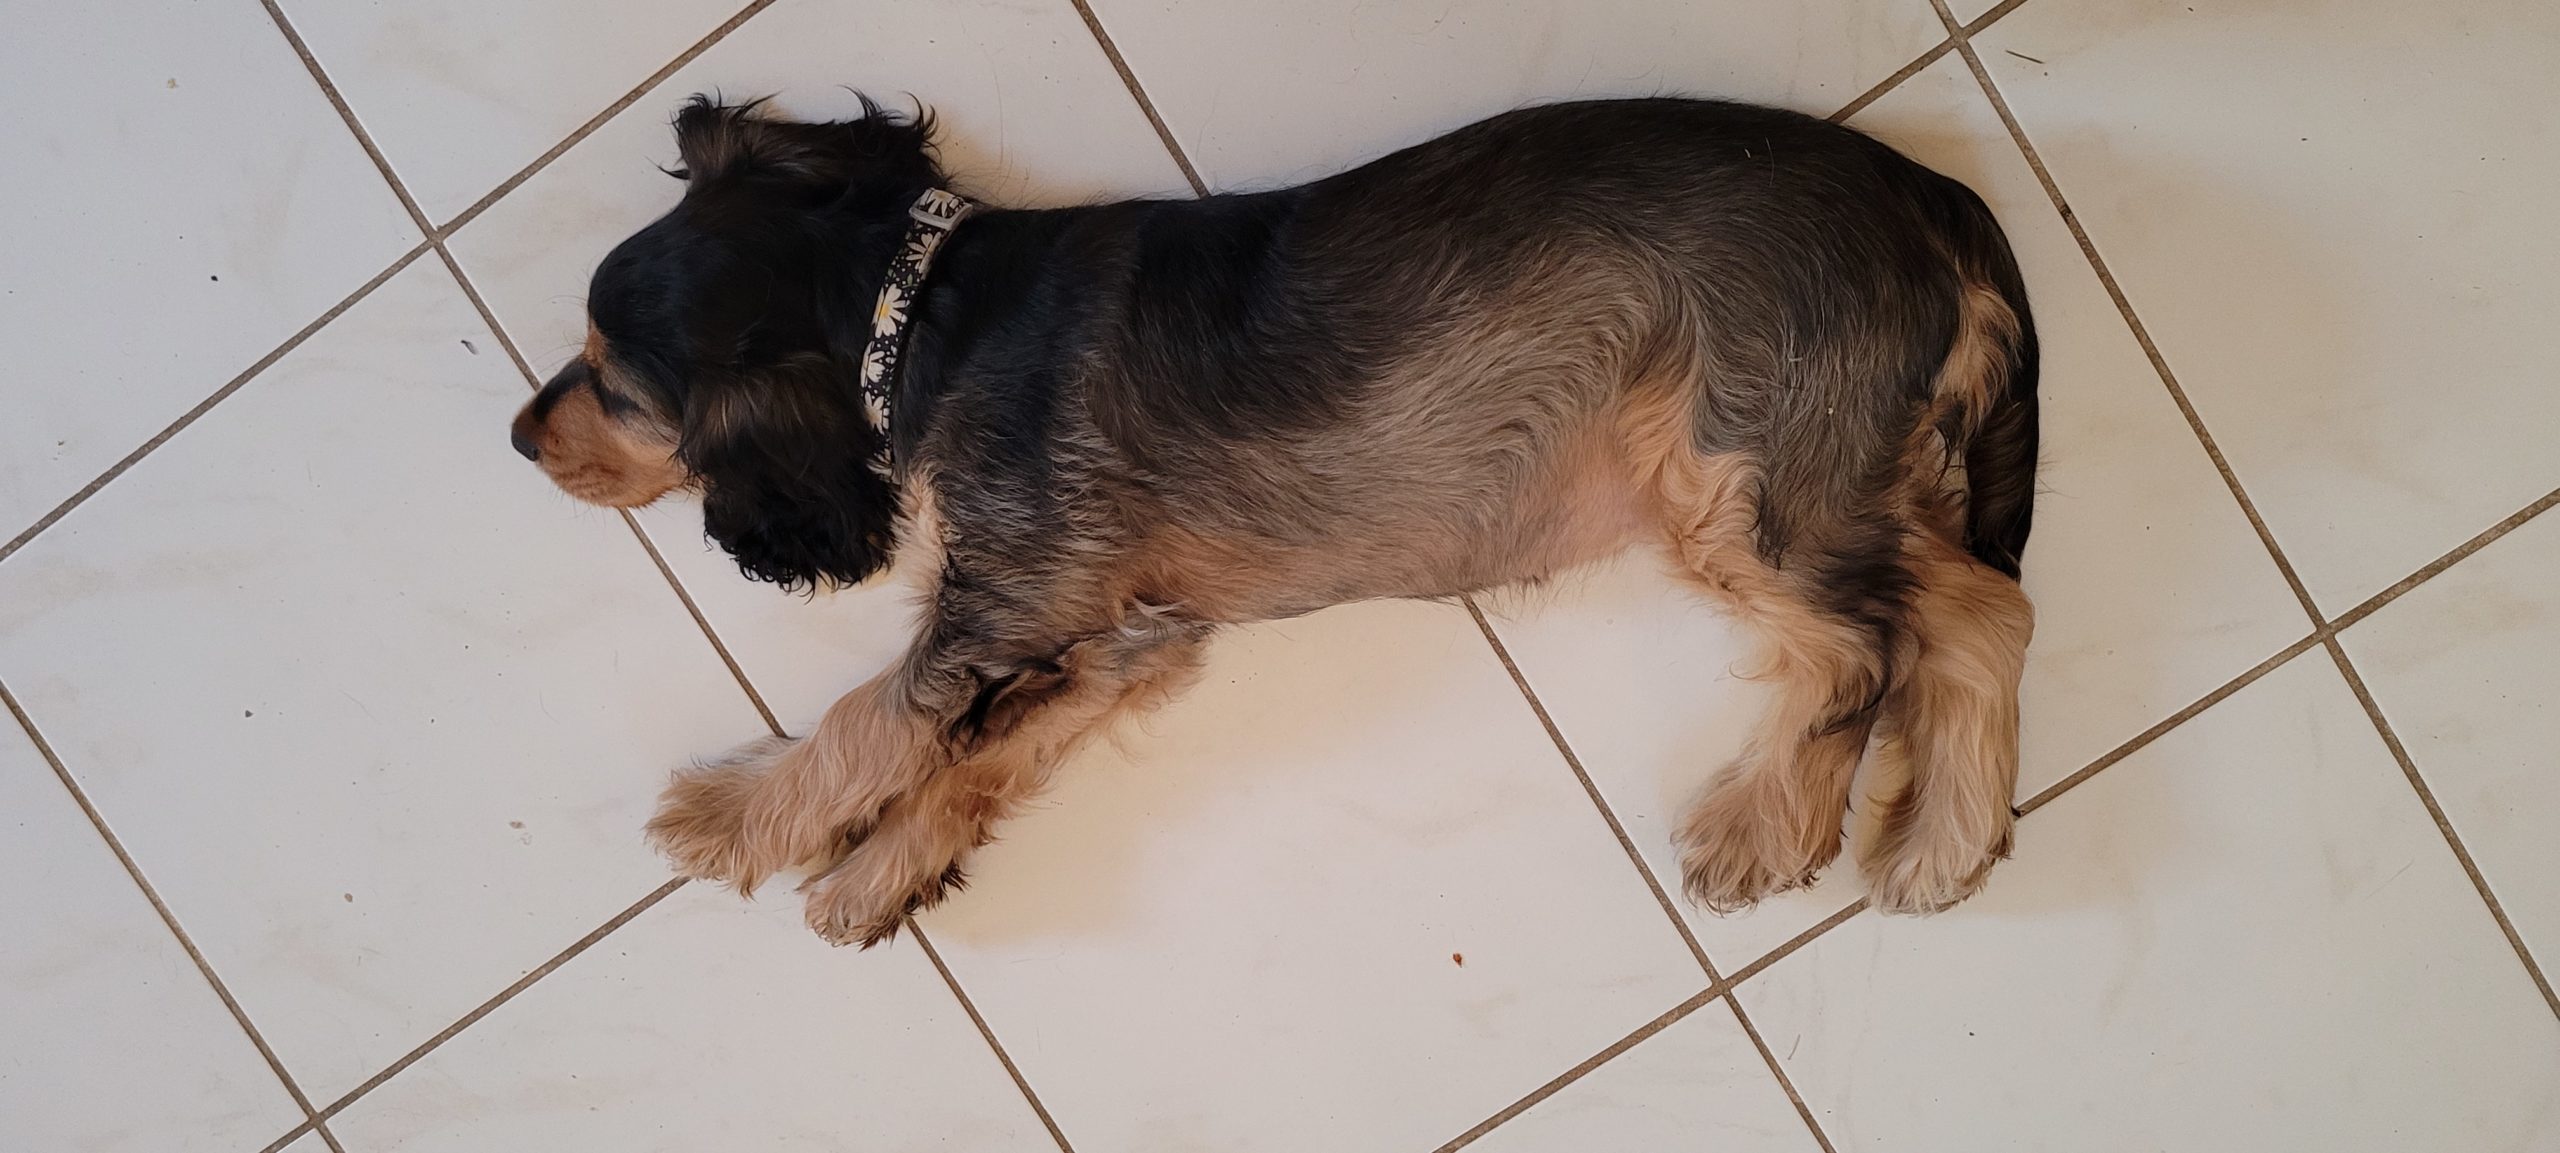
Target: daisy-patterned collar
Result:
[929, 223]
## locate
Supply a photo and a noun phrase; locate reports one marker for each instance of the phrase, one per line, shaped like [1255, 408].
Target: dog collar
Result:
[929, 223]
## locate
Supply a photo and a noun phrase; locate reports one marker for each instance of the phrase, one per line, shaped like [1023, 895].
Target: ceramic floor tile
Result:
[1030, 109]
[806, 649]
[461, 96]
[1343, 895]
[380, 713]
[1644, 681]
[1698, 1084]
[2151, 589]
[1272, 94]
[708, 1023]
[2335, 219]
[195, 204]
[1971, 10]
[114, 1041]
[2248, 935]
[2462, 667]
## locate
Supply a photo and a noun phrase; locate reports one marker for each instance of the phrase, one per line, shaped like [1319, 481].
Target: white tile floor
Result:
[373, 715]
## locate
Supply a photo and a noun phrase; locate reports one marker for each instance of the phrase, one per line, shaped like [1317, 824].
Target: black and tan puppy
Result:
[1799, 360]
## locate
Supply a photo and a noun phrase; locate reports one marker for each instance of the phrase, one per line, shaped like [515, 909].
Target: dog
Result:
[1798, 359]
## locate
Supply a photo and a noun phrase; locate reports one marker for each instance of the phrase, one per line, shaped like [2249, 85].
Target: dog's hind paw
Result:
[1741, 843]
[1913, 872]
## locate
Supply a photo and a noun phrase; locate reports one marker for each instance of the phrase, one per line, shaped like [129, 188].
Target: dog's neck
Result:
[930, 221]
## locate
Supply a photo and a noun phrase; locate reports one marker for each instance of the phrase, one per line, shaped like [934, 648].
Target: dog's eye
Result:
[613, 403]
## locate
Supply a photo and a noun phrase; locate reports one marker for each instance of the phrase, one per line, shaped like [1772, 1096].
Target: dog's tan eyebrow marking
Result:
[593, 352]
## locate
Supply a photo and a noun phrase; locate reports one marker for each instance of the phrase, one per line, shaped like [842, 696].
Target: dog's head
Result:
[724, 343]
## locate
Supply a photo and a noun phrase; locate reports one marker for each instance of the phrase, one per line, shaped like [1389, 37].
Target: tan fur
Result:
[1952, 720]
[601, 460]
[1977, 367]
[1769, 821]
[908, 858]
[775, 804]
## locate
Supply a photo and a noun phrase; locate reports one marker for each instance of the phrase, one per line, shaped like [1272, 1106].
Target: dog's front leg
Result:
[776, 803]
[1017, 727]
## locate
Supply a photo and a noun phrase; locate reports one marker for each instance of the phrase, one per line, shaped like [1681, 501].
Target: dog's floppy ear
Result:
[716, 140]
[787, 463]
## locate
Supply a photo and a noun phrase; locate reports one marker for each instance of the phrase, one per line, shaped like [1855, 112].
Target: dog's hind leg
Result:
[1952, 720]
[912, 856]
[1772, 819]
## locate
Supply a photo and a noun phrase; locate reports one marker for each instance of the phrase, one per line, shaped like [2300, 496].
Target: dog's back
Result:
[1475, 360]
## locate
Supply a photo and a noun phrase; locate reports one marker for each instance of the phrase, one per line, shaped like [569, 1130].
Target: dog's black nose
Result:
[524, 444]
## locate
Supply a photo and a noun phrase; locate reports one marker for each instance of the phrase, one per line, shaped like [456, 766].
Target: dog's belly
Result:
[1436, 537]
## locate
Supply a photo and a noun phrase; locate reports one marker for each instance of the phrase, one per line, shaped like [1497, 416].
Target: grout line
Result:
[2434, 567]
[2325, 631]
[1669, 1018]
[399, 188]
[488, 316]
[1589, 787]
[2145, 737]
[1129, 79]
[1715, 981]
[204, 968]
[505, 995]
[1796, 942]
[1991, 17]
[206, 405]
[434, 239]
[1922, 62]
[1887, 84]
[984, 1030]
[347, 114]
[648, 545]
[2124, 306]
[2444, 824]
[506, 341]
[704, 623]
[2156, 731]
[1784, 1082]
[597, 121]
[290, 1135]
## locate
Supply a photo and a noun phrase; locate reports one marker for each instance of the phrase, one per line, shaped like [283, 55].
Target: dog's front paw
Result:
[867, 898]
[1742, 843]
[704, 823]
[1921, 868]
[905, 865]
